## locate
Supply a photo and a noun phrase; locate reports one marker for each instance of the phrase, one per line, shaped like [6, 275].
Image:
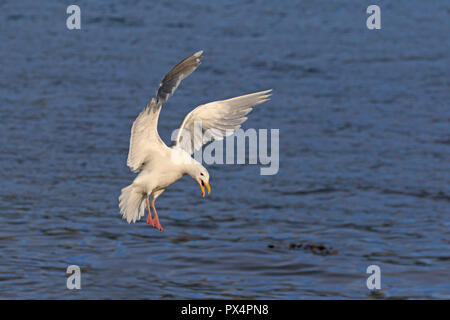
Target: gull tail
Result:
[131, 204]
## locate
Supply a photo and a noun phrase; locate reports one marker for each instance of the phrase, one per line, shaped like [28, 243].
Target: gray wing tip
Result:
[198, 53]
[171, 80]
[266, 94]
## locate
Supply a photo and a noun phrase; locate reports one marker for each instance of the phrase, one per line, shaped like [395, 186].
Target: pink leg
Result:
[149, 216]
[157, 224]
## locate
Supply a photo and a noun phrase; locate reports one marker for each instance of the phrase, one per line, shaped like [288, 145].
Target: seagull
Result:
[159, 165]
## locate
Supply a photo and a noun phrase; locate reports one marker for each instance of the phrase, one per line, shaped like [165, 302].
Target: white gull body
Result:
[158, 165]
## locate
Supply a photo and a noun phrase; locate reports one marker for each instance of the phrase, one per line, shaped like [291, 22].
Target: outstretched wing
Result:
[145, 140]
[171, 81]
[219, 118]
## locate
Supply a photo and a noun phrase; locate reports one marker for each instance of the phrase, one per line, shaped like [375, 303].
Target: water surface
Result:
[364, 150]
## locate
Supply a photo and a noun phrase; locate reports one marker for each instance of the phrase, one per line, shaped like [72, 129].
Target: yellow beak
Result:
[201, 183]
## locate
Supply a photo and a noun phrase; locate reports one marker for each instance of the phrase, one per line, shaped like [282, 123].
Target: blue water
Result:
[364, 150]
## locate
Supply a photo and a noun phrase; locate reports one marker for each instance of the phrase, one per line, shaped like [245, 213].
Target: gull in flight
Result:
[158, 165]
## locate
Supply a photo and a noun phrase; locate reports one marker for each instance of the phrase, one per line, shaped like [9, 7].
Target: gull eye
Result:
[201, 173]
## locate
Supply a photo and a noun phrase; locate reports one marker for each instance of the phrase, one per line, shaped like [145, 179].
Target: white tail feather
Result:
[131, 204]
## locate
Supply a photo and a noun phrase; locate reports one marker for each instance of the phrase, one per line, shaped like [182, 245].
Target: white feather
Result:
[221, 118]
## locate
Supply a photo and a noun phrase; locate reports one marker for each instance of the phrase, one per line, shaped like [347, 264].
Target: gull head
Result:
[201, 175]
